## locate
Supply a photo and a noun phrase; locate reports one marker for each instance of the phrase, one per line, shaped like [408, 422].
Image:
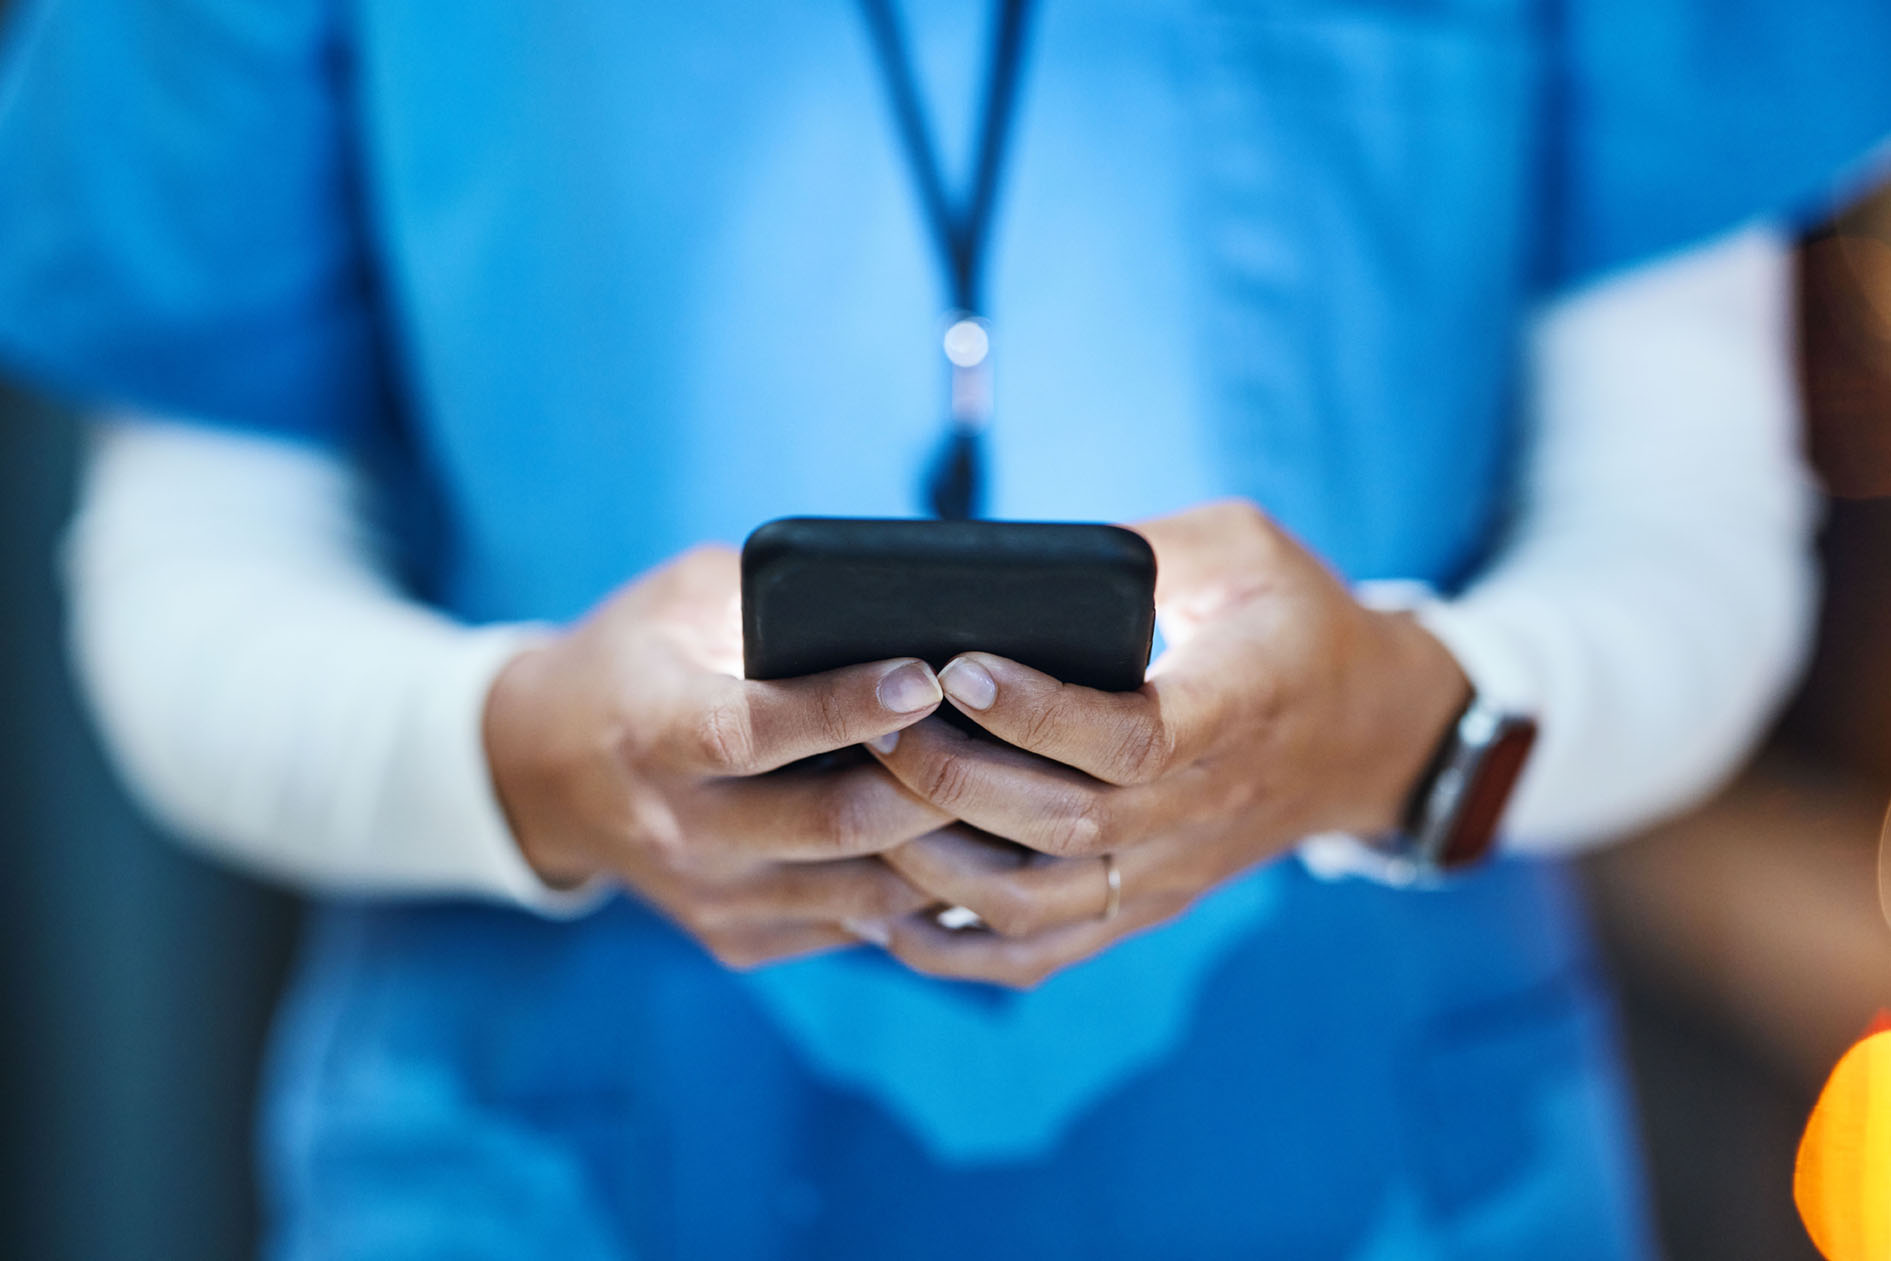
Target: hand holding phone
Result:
[624, 749]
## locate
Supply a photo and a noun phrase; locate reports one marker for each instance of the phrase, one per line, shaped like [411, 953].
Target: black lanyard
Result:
[960, 234]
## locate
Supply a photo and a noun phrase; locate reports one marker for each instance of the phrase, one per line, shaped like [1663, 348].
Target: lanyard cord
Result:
[954, 487]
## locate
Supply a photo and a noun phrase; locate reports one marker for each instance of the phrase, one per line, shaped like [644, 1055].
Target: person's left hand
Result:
[1282, 708]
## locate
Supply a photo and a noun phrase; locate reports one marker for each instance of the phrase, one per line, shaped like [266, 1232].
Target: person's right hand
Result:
[628, 747]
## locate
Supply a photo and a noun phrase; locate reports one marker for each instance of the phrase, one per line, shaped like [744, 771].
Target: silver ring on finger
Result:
[1113, 878]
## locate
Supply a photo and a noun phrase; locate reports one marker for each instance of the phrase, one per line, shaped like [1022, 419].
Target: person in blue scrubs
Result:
[589, 285]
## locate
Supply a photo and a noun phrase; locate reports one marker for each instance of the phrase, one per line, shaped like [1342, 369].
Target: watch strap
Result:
[1453, 814]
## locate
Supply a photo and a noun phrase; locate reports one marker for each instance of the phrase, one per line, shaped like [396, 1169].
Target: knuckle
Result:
[664, 852]
[1009, 911]
[1080, 831]
[733, 952]
[1270, 701]
[689, 916]
[1145, 751]
[848, 820]
[1024, 977]
[1237, 795]
[832, 715]
[892, 897]
[725, 739]
[714, 915]
[703, 561]
[647, 825]
[1040, 726]
[646, 853]
[699, 867]
[1168, 905]
[737, 958]
[1245, 515]
[919, 961]
[944, 780]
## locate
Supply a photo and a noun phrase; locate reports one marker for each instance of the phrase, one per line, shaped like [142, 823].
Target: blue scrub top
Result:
[591, 283]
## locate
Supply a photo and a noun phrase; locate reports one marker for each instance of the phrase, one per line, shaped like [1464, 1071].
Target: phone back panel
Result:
[1076, 601]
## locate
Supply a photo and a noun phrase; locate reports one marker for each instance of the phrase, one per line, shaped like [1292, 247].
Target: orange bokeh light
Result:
[1842, 1183]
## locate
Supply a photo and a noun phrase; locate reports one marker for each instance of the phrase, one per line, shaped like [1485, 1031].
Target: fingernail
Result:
[868, 930]
[886, 743]
[968, 683]
[910, 687]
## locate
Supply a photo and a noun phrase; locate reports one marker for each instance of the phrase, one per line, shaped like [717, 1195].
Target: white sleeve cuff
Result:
[447, 801]
[1338, 856]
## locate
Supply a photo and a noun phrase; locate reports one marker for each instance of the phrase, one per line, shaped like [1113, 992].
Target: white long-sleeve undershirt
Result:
[269, 692]
[1655, 597]
[265, 688]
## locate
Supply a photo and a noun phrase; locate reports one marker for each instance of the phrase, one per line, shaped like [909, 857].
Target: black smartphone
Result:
[1076, 601]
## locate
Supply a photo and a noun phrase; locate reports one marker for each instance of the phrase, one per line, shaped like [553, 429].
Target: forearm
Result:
[265, 687]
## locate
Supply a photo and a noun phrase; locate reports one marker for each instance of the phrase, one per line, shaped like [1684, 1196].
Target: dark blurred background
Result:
[137, 981]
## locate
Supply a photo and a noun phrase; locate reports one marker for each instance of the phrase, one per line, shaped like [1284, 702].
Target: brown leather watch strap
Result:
[1458, 804]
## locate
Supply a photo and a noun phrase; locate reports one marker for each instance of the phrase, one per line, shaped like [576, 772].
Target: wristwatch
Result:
[1452, 816]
